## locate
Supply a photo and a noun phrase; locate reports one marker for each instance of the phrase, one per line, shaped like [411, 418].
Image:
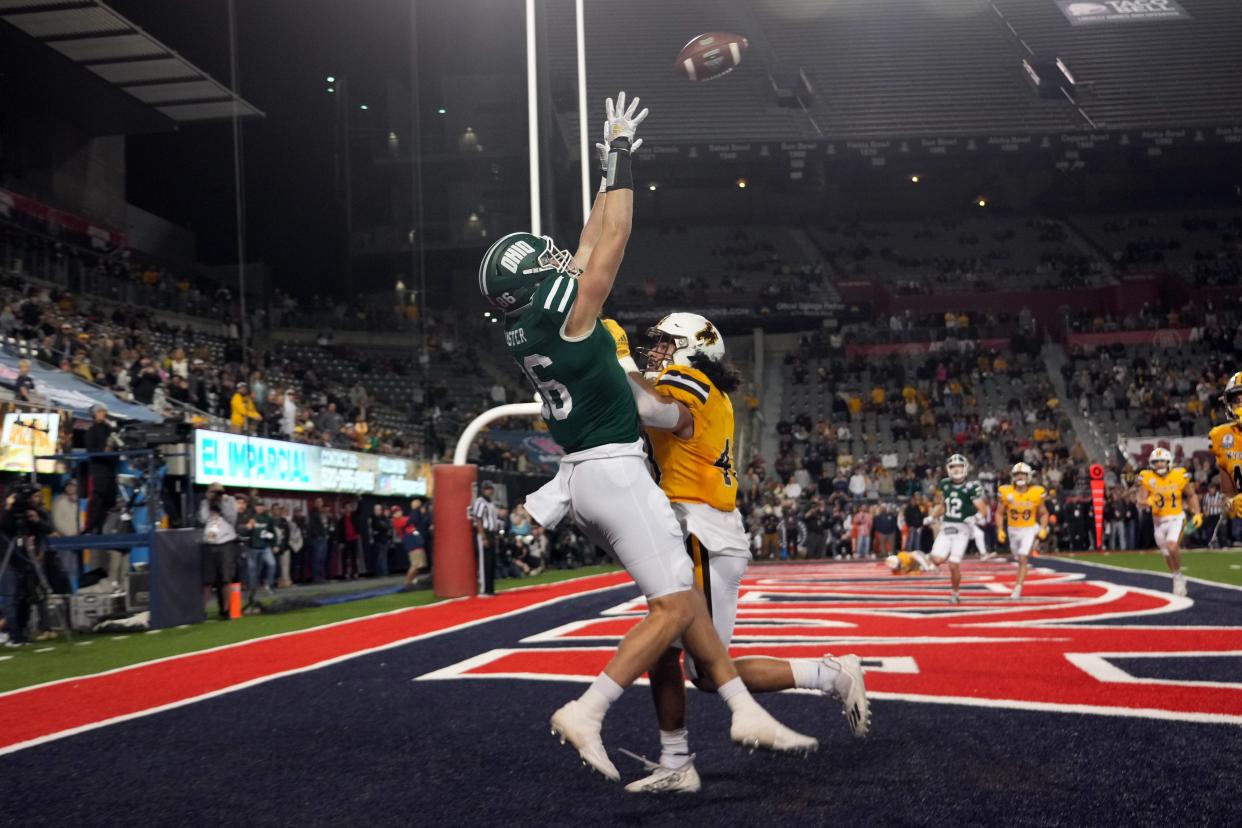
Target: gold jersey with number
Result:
[906, 565]
[1164, 492]
[1226, 442]
[698, 469]
[1021, 506]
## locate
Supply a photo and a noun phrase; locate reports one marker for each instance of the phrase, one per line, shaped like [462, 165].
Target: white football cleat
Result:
[1179, 584]
[683, 779]
[1016, 594]
[955, 598]
[577, 726]
[755, 728]
[848, 686]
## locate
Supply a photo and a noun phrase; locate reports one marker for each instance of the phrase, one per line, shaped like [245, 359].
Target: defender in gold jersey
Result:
[1021, 517]
[693, 455]
[1169, 492]
[1226, 440]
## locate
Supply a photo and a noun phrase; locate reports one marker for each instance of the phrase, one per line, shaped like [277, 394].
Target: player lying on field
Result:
[551, 302]
[908, 563]
[688, 380]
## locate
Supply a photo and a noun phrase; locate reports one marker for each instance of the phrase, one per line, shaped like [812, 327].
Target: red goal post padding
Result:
[455, 566]
[454, 571]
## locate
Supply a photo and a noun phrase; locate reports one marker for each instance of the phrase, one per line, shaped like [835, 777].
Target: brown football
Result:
[710, 55]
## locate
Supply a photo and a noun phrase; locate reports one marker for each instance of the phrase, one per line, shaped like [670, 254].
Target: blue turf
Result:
[1184, 668]
[361, 743]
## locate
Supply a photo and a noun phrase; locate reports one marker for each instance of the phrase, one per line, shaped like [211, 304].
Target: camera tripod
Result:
[62, 607]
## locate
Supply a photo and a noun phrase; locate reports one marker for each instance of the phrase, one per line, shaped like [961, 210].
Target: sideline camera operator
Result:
[218, 514]
[24, 527]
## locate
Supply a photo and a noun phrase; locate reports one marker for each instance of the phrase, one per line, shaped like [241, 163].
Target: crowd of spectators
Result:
[947, 255]
[1208, 248]
[736, 267]
[1198, 319]
[1156, 389]
[183, 373]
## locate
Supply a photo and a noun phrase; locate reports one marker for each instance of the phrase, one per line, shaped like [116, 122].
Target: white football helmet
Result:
[1232, 398]
[1022, 470]
[687, 334]
[893, 562]
[1161, 460]
[958, 467]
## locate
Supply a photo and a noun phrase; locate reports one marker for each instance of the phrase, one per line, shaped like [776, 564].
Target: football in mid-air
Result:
[710, 55]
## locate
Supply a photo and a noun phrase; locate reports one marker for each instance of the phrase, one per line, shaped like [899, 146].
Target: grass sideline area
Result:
[90, 653]
[1224, 567]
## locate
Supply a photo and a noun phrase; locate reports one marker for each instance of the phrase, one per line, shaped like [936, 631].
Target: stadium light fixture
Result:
[915, 179]
[331, 89]
[363, 107]
[981, 201]
[653, 186]
[487, 314]
[741, 183]
[441, 111]
[330, 79]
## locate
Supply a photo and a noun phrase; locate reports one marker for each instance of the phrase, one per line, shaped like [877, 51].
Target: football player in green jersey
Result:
[957, 501]
[552, 302]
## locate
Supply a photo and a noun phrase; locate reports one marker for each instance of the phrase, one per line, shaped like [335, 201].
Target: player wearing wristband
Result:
[552, 303]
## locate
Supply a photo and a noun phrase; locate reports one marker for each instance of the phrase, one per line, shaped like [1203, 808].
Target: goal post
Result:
[455, 568]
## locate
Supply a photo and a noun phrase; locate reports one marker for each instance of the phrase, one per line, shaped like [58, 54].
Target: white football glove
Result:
[602, 149]
[929, 520]
[622, 122]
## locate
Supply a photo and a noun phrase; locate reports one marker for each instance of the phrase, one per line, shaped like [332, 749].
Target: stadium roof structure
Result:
[101, 40]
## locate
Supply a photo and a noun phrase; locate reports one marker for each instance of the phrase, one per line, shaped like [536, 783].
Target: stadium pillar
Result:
[454, 571]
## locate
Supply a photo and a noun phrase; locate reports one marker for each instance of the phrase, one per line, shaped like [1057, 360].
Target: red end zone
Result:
[33, 715]
[1034, 653]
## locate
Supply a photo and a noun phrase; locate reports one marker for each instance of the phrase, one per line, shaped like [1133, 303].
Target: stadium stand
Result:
[890, 69]
[1204, 247]
[906, 404]
[959, 254]
[1175, 74]
[676, 264]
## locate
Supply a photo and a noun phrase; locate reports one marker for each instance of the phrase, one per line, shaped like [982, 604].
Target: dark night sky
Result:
[287, 47]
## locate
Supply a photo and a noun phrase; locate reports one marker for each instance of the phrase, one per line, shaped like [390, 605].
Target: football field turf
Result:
[93, 653]
[1098, 698]
[1222, 567]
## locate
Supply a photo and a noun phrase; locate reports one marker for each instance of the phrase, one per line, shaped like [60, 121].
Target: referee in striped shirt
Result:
[1213, 505]
[486, 529]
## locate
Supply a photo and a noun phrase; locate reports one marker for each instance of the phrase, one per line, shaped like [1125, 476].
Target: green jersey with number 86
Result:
[959, 499]
[586, 398]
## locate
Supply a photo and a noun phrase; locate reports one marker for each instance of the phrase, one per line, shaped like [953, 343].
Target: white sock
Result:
[674, 748]
[812, 675]
[601, 694]
[736, 695]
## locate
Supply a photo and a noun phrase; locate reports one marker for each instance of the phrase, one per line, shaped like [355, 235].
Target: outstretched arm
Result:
[595, 283]
[594, 226]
